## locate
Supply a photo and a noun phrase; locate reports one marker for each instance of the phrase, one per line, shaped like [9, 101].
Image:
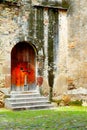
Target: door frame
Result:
[35, 51]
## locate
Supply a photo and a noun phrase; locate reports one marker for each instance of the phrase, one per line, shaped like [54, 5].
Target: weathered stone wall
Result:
[60, 82]
[73, 73]
[19, 22]
[58, 34]
[13, 29]
[77, 44]
[8, 34]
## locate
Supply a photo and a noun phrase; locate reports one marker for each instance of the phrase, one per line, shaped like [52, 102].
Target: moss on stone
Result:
[61, 102]
[62, 4]
[76, 103]
[50, 47]
[56, 101]
[65, 4]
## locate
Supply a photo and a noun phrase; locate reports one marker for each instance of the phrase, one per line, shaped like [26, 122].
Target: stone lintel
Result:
[51, 7]
[58, 4]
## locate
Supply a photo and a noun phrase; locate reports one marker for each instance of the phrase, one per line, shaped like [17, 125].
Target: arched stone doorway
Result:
[23, 67]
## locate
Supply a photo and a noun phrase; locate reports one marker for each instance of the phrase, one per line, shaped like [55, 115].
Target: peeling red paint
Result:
[20, 71]
[39, 81]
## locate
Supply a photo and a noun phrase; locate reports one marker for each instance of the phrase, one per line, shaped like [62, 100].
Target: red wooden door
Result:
[22, 66]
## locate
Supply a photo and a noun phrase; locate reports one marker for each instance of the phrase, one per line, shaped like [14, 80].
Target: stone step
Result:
[23, 95]
[27, 99]
[33, 107]
[23, 92]
[28, 103]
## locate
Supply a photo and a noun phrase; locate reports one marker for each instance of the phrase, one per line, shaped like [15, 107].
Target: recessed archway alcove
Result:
[23, 67]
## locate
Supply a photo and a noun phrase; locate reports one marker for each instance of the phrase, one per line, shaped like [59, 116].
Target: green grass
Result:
[62, 118]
